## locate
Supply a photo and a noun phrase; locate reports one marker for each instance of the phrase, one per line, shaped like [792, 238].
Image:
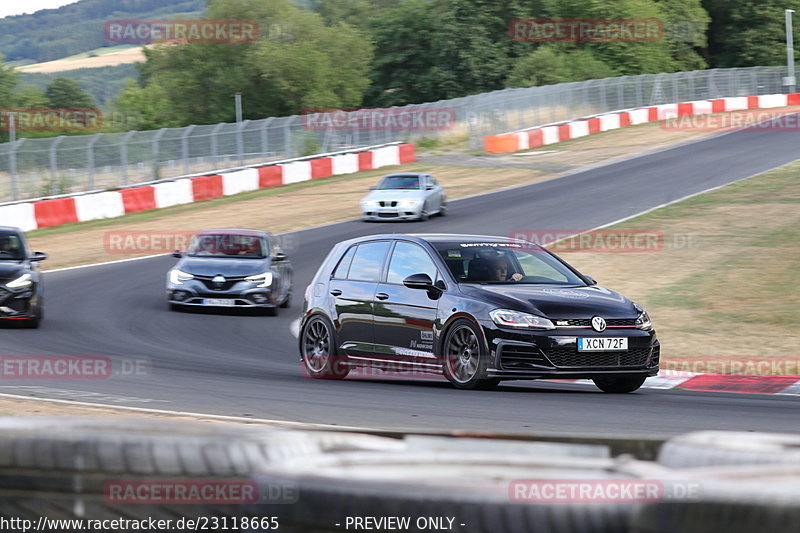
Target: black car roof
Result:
[11, 229]
[235, 231]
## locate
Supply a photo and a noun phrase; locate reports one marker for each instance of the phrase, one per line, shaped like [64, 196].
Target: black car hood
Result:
[556, 302]
[11, 270]
[229, 267]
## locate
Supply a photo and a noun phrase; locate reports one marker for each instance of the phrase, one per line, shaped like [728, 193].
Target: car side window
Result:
[340, 272]
[407, 259]
[368, 261]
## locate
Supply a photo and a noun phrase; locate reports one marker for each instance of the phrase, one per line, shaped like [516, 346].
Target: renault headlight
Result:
[261, 281]
[177, 277]
[516, 319]
[21, 282]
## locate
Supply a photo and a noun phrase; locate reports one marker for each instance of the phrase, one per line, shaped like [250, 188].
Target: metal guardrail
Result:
[68, 164]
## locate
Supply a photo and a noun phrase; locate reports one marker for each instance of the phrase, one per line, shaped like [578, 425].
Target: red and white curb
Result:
[46, 212]
[739, 383]
[528, 138]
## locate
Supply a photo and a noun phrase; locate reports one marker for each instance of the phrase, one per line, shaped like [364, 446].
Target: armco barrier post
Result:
[54, 165]
[185, 147]
[12, 163]
[123, 157]
[215, 144]
[156, 158]
[90, 161]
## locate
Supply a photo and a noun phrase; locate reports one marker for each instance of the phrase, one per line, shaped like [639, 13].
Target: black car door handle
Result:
[336, 292]
[382, 296]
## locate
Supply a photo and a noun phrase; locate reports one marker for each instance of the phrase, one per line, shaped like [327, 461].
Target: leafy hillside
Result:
[102, 83]
[55, 33]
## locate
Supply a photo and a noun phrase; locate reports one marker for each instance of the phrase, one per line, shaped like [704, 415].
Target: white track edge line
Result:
[229, 418]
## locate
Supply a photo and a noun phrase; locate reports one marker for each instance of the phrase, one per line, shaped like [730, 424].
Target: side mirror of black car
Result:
[177, 253]
[591, 280]
[280, 256]
[38, 256]
[419, 281]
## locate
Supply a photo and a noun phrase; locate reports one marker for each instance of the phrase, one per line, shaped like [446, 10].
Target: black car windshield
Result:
[506, 263]
[399, 182]
[228, 245]
[11, 248]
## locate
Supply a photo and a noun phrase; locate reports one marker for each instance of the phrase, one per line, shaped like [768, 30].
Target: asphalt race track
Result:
[249, 365]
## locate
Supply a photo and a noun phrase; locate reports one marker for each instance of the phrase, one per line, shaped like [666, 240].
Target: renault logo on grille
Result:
[598, 323]
[218, 281]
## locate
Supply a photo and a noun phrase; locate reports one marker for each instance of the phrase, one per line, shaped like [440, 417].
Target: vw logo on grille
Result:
[598, 323]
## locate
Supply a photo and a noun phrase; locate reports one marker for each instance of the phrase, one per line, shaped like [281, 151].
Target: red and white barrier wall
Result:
[541, 136]
[44, 213]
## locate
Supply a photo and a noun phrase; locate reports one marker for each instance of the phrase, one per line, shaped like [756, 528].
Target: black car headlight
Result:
[643, 321]
[517, 319]
[20, 283]
[261, 281]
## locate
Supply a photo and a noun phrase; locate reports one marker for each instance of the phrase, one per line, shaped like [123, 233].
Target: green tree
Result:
[297, 62]
[746, 33]
[8, 80]
[64, 92]
[358, 13]
[30, 96]
[551, 63]
[432, 50]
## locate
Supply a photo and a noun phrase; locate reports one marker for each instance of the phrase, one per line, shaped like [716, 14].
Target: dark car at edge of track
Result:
[231, 268]
[21, 289]
[477, 309]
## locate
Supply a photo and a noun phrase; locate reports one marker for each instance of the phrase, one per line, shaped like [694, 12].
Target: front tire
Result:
[464, 358]
[285, 304]
[318, 350]
[619, 384]
[423, 213]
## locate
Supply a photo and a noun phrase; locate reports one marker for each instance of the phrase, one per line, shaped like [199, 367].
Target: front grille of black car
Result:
[655, 358]
[3, 295]
[568, 356]
[388, 204]
[516, 356]
[224, 286]
[587, 322]
[16, 305]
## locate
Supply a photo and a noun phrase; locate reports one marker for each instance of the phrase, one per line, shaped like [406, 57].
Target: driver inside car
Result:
[500, 271]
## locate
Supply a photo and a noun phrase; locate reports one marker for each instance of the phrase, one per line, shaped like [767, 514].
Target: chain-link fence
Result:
[40, 167]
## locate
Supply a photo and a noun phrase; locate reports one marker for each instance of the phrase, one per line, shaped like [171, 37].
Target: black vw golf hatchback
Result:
[477, 309]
